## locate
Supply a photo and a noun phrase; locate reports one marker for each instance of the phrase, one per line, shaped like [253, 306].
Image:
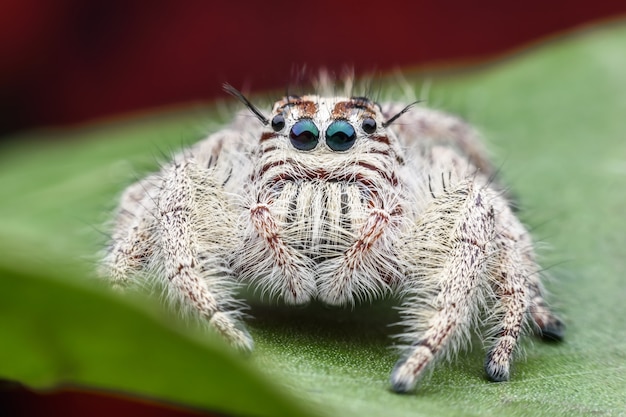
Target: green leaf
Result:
[555, 118]
[58, 331]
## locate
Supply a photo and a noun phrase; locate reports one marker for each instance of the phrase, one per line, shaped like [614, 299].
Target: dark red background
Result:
[71, 61]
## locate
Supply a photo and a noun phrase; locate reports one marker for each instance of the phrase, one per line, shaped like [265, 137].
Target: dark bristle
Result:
[400, 113]
[363, 103]
[236, 93]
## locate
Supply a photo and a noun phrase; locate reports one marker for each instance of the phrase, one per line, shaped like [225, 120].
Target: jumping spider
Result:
[331, 198]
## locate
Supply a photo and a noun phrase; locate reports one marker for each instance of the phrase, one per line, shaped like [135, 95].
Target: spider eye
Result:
[278, 122]
[304, 135]
[340, 135]
[369, 125]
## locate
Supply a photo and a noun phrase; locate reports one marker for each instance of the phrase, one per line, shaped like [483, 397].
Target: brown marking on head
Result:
[387, 153]
[306, 108]
[382, 139]
[389, 177]
[274, 164]
[344, 109]
[266, 136]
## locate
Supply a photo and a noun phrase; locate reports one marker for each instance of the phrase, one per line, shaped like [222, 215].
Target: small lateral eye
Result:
[369, 125]
[340, 135]
[304, 135]
[278, 122]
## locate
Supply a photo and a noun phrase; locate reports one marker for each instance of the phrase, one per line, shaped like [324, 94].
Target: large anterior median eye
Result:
[304, 135]
[340, 135]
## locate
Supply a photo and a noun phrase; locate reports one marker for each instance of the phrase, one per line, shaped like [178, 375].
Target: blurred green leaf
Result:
[555, 118]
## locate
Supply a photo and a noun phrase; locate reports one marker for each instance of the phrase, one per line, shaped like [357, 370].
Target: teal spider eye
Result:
[340, 135]
[304, 135]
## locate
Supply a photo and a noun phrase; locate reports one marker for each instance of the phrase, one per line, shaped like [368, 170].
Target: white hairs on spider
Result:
[340, 199]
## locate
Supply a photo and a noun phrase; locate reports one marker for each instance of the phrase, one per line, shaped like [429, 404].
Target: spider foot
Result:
[497, 364]
[233, 331]
[553, 330]
[408, 371]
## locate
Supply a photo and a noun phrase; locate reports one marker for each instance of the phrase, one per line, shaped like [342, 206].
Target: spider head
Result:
[334, 124]
[322, 123]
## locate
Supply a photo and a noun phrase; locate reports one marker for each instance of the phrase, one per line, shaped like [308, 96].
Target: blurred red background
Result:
[71, 61]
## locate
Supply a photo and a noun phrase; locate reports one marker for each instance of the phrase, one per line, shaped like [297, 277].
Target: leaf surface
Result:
[555, 119]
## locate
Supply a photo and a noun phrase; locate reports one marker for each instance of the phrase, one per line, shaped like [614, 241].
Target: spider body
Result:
[331, 200]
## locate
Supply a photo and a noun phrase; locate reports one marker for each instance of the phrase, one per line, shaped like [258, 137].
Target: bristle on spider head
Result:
[400, 113]
[239, 95]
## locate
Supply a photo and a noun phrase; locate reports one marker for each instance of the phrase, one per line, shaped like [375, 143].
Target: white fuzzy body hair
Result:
[335, 200]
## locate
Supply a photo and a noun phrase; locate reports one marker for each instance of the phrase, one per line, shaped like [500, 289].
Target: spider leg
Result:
[194, 237]
[518, 292]
[130, 249]
[291, 273]
[510, 279]
[447, 254]
[357, 271]
[547, 325]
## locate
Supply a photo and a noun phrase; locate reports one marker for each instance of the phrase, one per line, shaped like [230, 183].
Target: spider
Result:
[339, 199]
